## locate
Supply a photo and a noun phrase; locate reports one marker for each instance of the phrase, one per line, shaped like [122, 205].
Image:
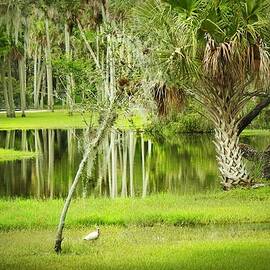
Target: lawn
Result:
[61, 120]
[215, 230]
[159, 247]
[10, 154]
[233, 207]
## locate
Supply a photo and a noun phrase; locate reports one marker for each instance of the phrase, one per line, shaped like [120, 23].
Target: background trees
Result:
[215, 52]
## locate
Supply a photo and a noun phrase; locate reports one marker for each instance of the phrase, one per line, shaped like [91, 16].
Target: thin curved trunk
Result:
[90, 151]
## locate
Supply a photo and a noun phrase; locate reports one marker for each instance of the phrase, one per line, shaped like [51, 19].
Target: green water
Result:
[127, 164]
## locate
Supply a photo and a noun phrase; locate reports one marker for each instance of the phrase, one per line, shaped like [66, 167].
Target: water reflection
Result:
[127, 164]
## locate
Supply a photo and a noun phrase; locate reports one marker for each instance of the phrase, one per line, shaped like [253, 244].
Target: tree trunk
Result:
[114, 166]
[5, 90]
[247, 119]
[49, 67]
[229, 155]
[91, 149]
[35, 79]
[68, 76]
[124, 169]
[10, 91]
[132, 147]
[22, 79]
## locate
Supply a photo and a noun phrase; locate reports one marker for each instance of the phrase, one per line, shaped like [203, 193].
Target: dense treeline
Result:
[43, 56]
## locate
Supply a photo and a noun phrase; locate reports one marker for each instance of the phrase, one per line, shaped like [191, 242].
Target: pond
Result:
[128, 164]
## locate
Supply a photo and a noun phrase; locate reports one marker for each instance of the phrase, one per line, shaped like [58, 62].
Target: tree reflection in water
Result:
[127, 164]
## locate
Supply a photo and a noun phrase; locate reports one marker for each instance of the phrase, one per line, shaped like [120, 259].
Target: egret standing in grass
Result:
[92, 235]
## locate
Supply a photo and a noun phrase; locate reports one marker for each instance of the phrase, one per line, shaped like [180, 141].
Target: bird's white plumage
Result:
[92, 236]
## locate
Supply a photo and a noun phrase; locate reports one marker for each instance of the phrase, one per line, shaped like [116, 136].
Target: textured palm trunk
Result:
[229, 155]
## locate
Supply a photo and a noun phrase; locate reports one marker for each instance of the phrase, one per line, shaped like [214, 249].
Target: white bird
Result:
[92, 235]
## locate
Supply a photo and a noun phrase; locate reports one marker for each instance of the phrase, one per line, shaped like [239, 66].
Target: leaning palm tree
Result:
[216, 50]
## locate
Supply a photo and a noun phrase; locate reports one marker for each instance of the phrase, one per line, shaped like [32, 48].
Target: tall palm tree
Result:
[217, 51]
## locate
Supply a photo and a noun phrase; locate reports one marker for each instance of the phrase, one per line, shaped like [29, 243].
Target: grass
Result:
[256, 132]
[159, 247]
[217, 230]
[234, 207]
[10, 154]
[60, 120]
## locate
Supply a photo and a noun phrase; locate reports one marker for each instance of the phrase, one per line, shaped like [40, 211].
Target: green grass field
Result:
[160, 247]
[10, 154]
[234, 207]
[217, 230]
[61, 120]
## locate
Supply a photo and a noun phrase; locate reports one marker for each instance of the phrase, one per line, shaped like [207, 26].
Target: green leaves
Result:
[4, 43]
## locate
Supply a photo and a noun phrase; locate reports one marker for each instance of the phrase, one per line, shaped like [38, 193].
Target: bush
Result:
[183, 123]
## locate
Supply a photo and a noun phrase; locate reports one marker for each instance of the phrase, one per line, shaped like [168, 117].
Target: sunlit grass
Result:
[256, 132]
[61, 120]
[10, 154]
[216, 230]
[160, 247]
[237, 206]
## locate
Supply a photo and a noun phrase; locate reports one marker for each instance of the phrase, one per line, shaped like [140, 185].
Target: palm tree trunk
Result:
[229, 155]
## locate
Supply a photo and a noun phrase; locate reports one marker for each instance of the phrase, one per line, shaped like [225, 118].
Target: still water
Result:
[128, 164]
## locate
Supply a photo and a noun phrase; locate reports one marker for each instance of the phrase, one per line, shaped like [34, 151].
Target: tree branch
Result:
[247, 119]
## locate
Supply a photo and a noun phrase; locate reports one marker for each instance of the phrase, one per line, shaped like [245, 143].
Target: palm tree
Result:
[216, 50]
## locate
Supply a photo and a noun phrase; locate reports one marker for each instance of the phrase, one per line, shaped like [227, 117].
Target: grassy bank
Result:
[256, 132]
[237, 206]
[10, 154]
[159, 247]
[208, 231]
[61, 120]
